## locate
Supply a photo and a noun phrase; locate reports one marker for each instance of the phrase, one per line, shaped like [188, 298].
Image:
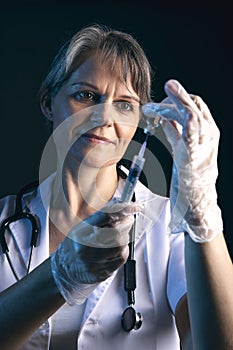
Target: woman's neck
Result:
[75, 197]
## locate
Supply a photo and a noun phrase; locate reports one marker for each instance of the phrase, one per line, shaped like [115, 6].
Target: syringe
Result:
[134, 173]
[127, 320]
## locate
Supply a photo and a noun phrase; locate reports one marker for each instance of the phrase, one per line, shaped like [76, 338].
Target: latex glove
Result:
[92, 250]
[194, 138]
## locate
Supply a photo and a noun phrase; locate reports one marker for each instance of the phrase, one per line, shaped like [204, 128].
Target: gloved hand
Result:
[92, 250]
[194, 138]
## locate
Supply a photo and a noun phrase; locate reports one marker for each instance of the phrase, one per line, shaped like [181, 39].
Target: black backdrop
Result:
[191, 42]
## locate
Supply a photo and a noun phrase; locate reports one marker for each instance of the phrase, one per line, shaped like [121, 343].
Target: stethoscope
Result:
[130, 319]
[19, 214]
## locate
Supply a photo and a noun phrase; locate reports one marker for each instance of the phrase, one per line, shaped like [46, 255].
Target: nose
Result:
[102, 115]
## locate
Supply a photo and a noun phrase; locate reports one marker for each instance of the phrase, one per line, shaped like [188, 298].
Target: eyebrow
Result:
[84, 83]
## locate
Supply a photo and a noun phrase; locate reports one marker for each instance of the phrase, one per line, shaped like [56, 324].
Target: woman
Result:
[74, 296]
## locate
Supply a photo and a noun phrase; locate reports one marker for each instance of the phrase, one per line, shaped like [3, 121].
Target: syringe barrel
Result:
[132, 178]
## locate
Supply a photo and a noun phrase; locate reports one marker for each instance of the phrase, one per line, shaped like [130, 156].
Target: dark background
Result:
[190, 41]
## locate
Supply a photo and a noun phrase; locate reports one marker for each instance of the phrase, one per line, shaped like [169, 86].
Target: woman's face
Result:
[103, 114]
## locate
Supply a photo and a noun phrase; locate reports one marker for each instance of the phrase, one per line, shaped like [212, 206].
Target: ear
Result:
[46, 106]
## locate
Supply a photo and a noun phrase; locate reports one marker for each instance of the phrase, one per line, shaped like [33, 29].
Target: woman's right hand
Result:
[93, 250]
[194, 138]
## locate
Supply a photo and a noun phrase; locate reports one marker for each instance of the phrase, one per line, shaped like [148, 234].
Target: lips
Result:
[97, 139]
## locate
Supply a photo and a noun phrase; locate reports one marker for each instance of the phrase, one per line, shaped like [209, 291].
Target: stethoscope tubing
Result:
[19, 214]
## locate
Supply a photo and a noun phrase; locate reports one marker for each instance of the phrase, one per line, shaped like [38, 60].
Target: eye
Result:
[86, 96]
[124, 106]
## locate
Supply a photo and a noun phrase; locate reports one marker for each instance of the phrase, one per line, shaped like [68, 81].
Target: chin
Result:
[98, 163]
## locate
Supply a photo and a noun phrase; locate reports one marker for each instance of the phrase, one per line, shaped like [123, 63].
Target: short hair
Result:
[113, 46]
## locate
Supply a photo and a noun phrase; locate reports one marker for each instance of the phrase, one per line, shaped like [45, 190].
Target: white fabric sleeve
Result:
[176, 279]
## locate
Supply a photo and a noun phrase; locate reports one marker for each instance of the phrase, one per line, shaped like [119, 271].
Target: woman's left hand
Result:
[194, 138]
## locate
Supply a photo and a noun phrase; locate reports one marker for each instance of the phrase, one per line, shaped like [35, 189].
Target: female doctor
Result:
[67, 289]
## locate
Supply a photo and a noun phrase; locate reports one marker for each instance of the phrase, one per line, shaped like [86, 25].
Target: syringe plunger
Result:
[134, 173]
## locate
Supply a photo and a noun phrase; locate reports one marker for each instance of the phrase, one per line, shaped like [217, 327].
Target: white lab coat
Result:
[160, 279]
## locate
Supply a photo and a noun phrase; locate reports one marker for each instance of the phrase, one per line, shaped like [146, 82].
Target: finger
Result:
[196, 114]
[191, 134]
[180, 97]
[203, 108]
[187, 108]
[118, 208]
[114, 211]
[97, 219]
[100, 255]
[171, 132]
[121, 222]
[207, 126]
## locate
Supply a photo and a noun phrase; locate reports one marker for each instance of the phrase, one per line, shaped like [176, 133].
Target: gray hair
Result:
[112, 46]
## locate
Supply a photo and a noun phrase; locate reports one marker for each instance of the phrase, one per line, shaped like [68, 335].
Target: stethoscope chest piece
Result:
[131, 319]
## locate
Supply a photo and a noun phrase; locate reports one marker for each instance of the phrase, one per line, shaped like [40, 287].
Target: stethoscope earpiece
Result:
[131, 319]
